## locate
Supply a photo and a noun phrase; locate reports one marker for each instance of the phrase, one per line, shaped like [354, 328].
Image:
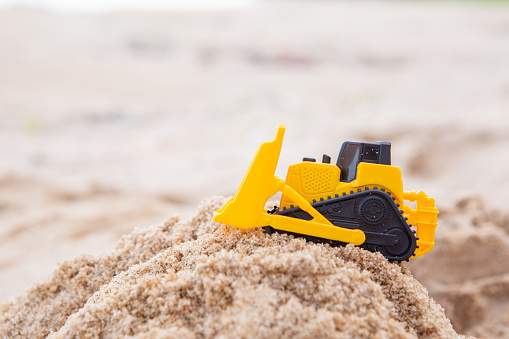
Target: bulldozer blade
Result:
[246, 208]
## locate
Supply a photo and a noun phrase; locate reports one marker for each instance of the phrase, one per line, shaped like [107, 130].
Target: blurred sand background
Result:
[110, 121]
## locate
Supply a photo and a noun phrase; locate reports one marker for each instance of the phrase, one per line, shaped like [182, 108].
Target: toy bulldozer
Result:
[359, 200]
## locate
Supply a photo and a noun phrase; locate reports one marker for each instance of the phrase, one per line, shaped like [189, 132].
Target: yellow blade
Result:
[247, 206]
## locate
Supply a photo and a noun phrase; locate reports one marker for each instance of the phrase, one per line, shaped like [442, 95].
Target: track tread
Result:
[367, 192]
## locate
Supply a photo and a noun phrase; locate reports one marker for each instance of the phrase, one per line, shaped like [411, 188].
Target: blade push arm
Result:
[319, 226]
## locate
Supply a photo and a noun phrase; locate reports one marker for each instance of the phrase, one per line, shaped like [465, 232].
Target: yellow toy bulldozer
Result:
[359, 200]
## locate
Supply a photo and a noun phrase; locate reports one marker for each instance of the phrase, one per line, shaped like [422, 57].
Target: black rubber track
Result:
[372, 211]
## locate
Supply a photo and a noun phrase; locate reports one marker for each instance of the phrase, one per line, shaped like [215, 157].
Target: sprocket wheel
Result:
[373, 210]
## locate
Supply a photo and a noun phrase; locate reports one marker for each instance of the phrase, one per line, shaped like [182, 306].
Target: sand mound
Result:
[203, 279]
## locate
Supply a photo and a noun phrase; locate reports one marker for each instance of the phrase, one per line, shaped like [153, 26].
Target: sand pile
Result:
[203, 279]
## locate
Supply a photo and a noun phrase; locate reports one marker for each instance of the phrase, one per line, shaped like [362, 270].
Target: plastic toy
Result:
[359, 200]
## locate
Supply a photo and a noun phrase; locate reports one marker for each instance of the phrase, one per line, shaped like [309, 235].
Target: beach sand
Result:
[203, 279]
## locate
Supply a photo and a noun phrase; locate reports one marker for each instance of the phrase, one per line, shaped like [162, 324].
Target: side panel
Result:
[381, 176]
[312, 181]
